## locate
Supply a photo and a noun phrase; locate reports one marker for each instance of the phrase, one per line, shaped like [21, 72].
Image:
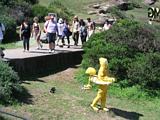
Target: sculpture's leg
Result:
[96, 99]
[103, 101]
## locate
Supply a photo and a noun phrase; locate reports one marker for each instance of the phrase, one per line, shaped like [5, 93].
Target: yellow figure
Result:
[103, 80]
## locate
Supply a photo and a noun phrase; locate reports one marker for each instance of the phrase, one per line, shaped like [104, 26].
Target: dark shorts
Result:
[51, 37]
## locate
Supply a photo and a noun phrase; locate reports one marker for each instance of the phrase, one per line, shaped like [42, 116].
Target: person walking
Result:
[36, 31]
[83, 31]
[75, 30]
[2, 30]
[50, 27]
[25, 33]
[60, 26]
[66, 32]
[90, 27]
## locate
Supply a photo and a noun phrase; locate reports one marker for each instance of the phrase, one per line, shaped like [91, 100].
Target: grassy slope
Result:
[79, 7]
[71, 103]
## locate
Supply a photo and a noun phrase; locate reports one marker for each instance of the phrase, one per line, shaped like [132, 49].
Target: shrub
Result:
[9, 83]
[125, 49]
[10, 26]
[60, 9]
[144, 71]
[116, 13]
[39, 11]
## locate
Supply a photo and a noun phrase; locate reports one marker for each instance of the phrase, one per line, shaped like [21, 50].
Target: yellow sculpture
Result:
[103, 80]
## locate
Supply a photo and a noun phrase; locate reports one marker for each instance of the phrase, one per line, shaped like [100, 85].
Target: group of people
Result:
[53, 29]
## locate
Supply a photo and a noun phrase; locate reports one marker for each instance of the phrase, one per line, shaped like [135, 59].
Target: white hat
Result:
[60, 20]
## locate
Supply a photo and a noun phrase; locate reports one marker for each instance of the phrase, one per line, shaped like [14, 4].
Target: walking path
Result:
[34, 52]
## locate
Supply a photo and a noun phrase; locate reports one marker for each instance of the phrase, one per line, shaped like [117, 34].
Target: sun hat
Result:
[60, 20]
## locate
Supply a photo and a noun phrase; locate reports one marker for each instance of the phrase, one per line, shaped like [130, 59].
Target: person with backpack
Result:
[25, 33]
[83, 31]
[2, 30]
[66, 32]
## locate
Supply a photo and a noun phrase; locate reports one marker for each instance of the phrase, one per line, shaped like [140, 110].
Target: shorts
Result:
[51, 37]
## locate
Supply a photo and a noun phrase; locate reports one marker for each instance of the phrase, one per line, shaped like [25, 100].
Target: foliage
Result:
[62, 12]
[39, 11]
[9, 83]
[144, 71]
[116, 12]
[125, 51]
[10, 26]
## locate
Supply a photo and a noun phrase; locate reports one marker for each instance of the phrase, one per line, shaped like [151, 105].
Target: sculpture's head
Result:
[91, 71]
[103, 62]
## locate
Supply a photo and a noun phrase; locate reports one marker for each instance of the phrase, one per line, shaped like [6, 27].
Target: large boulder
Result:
[92, 12]
[96, 6]
[149, 2]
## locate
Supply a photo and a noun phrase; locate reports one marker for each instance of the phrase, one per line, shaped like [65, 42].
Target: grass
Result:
[69, 102]
[78, 7]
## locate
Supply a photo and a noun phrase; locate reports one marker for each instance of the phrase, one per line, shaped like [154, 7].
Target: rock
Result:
[105, 8]
[149, 2]
[92, 12]
[103, 15]
[100, 21]
[96, 6]
[101, 11]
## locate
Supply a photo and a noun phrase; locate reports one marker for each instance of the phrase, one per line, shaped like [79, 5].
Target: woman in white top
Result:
[75, 30]
[107, 25]
[50, 28]
[2, 29]
[90, 27]
[60, 26]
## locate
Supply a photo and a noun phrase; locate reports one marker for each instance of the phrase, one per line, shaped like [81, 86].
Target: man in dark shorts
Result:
[50, 28]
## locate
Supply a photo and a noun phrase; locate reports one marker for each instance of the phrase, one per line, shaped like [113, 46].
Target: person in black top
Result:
[25, 33]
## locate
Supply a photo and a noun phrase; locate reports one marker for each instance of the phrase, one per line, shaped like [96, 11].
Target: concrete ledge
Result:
[42, 64]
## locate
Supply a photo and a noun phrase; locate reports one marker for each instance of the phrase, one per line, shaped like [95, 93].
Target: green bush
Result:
[116, 13]
[130, 39]
[60, 9]
[9, 83]
[10, 26]
[144, 71]
[39, 11]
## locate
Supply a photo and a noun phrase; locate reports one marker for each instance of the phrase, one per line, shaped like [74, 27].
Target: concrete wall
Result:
[44, 64]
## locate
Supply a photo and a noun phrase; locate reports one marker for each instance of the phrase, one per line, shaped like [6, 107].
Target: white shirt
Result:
[76, 26]
[60, 28]
[51, 26]
[2, 28]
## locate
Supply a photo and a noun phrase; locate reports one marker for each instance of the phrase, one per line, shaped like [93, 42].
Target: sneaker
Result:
[50, 51]
[53, 51]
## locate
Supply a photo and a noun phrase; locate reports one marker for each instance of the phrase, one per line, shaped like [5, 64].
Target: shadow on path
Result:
[126, 114]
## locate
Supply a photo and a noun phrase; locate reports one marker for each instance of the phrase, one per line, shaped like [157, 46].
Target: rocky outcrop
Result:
[96, 6]
[92, 12]
[149, 2]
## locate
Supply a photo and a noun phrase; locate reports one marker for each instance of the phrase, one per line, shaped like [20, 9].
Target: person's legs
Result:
[24, 43]
[68, 41]
[76, 38]
[27, 42]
